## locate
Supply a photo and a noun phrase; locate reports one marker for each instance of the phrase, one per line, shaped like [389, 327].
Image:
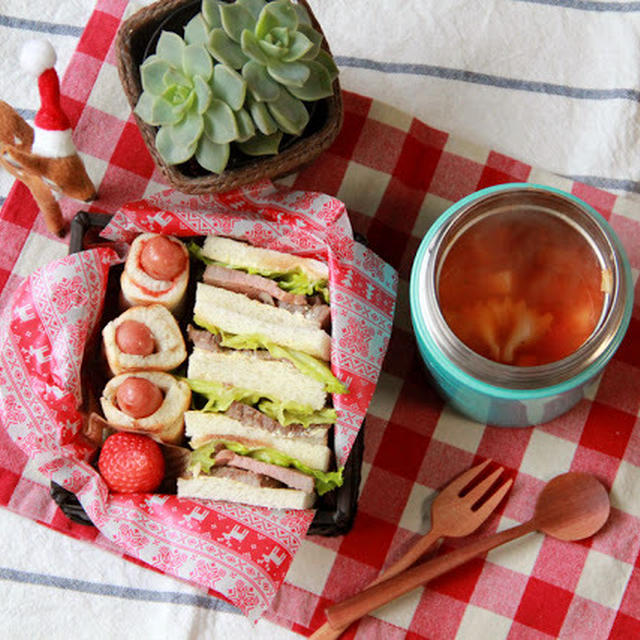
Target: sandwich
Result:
[234, 314]
[156, 271]
[148, 402]
[294, 274]
[144, 338]
[242, 455]
[260, 369]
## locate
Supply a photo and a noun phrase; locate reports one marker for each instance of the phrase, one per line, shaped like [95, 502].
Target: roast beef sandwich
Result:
[260, 366]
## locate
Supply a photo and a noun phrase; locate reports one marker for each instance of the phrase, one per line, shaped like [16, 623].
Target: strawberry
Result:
[130, 462]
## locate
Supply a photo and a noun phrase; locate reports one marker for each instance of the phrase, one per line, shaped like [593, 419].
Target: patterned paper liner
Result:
[242, 553]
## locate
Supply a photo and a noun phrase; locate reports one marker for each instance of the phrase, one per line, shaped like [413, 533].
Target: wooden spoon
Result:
[572, 506]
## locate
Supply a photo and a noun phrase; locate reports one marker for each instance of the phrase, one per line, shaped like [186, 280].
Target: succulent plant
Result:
[242, 74]
[279, 54]
[196, 103]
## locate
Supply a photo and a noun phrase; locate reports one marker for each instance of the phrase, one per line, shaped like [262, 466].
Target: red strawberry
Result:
[130, 462]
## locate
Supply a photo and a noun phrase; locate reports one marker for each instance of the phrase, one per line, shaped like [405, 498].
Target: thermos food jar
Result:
[488, 347]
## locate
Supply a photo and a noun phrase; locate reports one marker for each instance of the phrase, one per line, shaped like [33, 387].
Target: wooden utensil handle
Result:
[327, 632]
[413, 554]
[344, 613]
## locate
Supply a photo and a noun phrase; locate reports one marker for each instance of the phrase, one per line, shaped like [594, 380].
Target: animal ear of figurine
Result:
[44, 157]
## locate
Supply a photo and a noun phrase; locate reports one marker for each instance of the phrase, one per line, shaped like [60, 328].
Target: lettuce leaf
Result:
[305, 363]
[324, 480]
[300, 283]
[308, 365]
[294, 281]
[293, 414]
[220, 396]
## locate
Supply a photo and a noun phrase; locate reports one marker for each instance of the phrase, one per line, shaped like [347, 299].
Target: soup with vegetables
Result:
[522, 288]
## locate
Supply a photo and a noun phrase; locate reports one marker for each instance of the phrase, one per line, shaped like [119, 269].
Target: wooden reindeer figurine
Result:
[44, 157]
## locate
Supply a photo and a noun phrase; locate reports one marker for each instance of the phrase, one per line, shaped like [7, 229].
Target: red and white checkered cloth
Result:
[396, 175]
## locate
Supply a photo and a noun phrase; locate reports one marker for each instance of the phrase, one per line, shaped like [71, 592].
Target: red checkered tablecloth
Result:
[396, 175]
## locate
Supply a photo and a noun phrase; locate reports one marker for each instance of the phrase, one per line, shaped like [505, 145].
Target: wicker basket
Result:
[133, 45]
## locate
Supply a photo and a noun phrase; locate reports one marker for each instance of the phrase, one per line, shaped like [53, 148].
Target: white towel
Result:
[551, 82]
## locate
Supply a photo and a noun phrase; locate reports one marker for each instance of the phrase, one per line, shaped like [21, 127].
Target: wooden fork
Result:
[452, 515]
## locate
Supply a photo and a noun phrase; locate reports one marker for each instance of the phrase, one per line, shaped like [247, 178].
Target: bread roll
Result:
[166, 423]
[169, 352]
[140, 288]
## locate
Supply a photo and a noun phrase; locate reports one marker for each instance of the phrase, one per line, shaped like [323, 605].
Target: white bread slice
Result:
[139, 288]
[214, 488]
[247, 370]
[170, 348]
[311, 449]
[236, 313]
[240, 254]
[166, 423]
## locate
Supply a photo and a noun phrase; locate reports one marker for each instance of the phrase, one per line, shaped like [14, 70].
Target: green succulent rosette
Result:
[195, 103]
[242, 74]
[278, 52]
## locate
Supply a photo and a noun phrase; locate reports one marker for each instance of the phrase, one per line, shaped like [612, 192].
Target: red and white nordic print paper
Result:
[315, 225]
[242, 553]
[396, 175]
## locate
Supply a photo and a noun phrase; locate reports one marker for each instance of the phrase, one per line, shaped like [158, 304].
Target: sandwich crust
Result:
[237, 253]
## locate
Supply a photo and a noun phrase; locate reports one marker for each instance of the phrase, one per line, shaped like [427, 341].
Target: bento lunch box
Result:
[335, 510]
[503, 394]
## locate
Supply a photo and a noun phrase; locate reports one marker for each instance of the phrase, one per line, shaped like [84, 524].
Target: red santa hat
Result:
[52, 130]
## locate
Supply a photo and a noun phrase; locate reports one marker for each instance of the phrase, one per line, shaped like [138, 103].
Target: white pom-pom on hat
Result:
[37, 56]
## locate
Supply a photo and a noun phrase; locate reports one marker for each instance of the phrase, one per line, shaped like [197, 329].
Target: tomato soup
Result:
[523, 288]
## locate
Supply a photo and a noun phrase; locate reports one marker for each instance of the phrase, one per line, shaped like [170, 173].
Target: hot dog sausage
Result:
[162, 258]
[135, 338]
[138, 397]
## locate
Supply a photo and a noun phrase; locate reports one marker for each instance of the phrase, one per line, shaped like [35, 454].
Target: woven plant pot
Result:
[136, 40]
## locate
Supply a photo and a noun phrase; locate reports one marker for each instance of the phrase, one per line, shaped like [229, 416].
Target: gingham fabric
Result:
[396, 174]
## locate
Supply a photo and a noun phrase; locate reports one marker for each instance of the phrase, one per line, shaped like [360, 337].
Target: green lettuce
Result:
[297, 414]
[324, 480]
[294, 281]
[300, 283]
[305, 363]
[220, 396]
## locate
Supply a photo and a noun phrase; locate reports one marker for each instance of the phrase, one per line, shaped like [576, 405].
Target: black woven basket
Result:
[335, 510]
